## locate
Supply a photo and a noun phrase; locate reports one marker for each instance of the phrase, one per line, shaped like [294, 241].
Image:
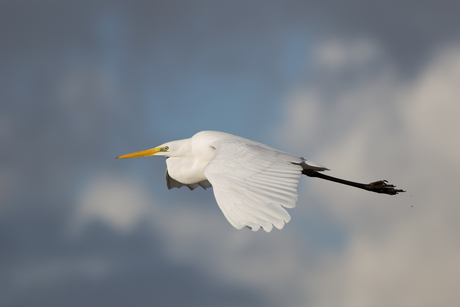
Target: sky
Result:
[370, 89]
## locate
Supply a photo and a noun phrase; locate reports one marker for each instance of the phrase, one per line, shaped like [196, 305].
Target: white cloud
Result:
[337, 54]
[304, 115]
[395, 255]
[120, 204]
[433, 106]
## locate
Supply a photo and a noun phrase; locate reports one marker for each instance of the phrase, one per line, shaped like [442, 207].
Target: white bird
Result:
[252, 182]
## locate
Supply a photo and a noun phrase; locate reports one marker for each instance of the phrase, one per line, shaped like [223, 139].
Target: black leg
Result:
[380, 186]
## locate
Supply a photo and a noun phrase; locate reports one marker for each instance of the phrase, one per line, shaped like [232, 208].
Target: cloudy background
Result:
[370, 89]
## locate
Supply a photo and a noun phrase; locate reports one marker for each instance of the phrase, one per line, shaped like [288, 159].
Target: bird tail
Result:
[310, 165]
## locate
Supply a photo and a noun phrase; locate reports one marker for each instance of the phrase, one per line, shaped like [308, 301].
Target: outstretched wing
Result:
[172, 183]
[253, 183]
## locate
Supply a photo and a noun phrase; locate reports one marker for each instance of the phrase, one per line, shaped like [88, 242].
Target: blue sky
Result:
[368, 89]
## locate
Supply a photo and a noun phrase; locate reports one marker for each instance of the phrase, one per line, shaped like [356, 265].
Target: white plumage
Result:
[252, 182]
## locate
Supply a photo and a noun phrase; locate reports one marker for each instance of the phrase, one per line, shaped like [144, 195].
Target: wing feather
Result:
[253, 183]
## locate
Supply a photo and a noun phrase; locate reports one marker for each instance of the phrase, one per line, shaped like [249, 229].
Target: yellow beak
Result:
[144, 153]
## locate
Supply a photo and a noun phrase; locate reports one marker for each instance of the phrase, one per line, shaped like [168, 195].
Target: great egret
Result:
[252, 182]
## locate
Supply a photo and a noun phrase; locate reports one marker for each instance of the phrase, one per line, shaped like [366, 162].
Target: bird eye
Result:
[166, 147]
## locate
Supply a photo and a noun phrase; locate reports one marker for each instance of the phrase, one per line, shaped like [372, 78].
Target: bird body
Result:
[252, 182]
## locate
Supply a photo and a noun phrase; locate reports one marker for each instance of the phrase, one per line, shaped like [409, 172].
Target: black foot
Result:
[382, 186]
